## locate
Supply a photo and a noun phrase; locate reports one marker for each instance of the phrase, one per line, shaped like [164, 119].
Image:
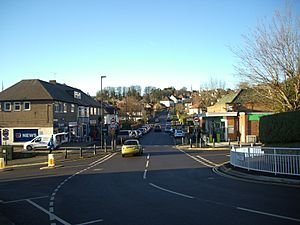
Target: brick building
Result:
[35, 107]
[236, 116]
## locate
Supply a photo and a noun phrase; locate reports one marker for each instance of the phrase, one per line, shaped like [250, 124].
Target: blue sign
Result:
[23, 135]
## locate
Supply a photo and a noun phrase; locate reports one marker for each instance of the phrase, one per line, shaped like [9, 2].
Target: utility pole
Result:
[101, 115]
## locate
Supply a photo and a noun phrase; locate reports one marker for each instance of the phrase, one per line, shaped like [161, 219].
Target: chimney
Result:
[52, 81]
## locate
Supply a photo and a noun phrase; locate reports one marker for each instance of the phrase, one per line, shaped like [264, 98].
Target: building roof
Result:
[35, 89]
[229, 98]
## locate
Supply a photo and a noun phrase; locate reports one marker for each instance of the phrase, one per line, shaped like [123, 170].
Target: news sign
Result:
[23, 135]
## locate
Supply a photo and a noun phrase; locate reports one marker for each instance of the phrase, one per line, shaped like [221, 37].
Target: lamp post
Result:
[101, 114]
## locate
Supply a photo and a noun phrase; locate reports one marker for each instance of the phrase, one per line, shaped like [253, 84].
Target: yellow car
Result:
[132, 147]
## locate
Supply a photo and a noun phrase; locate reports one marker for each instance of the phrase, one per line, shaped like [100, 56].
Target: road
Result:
[164, 186]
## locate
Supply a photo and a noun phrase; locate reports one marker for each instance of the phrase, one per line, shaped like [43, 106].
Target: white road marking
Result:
[268, 214]
[172, 192]
[52, 199]
[24, 199]
[91, 222]
[206, 161]
[47, 212]
[198, 160]
[146, 167]
[145, 175]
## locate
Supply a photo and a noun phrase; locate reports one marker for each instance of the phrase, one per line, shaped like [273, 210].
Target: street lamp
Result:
[101, 114]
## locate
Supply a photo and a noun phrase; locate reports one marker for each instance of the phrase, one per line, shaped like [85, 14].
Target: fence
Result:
[272, 160]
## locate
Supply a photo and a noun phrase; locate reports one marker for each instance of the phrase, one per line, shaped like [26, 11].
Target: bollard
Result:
[200, 140]
[2, 163]
[51, 161]
[191, 145]
[229, 142]
[182, 141]
[94, 149]
[214, 144]
[105, 146]
[115, 145]
[66, 153]
[81, 152]
[5, 156]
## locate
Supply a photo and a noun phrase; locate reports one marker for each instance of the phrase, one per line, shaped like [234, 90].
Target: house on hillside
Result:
[236, 116]
[35, 107]
[167, 102]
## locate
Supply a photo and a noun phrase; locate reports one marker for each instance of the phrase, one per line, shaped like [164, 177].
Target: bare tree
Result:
[270, 60]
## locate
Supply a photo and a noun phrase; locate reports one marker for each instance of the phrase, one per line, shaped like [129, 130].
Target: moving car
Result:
[132, 147]
[157, 128]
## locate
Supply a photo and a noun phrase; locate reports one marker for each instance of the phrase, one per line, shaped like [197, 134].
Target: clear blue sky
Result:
[161, 43]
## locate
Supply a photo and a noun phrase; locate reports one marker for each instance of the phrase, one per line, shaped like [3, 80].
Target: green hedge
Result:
[280, 128]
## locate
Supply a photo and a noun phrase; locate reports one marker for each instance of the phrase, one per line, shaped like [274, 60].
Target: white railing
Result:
[272, 160]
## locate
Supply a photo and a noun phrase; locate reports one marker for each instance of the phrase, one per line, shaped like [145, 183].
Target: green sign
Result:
[256, 116]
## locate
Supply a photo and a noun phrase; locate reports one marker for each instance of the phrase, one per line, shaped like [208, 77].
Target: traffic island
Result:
[51, 163]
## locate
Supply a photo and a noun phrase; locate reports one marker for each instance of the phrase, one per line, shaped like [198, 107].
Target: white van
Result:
[42, 141]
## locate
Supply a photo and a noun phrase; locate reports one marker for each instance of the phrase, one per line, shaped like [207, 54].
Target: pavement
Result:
[68, 152]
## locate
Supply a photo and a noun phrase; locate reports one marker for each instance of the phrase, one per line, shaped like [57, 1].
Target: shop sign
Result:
[23, 135]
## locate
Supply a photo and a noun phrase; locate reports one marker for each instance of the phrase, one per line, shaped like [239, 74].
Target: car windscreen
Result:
[131, 143]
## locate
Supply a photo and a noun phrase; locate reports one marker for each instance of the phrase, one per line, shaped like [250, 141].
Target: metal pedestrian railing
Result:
[273, 160]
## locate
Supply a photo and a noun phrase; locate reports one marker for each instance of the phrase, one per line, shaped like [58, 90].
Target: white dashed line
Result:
[146, 168]
[52, 217]
[50, 214]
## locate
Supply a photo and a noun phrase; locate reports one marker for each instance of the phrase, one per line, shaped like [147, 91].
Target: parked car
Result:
[123, 135]
[132, 147]
[135, 134]
[43, 141]
[178, 133]
[168, 129]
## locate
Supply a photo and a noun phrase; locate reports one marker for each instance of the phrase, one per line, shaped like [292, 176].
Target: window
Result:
[95, 111]
[91, 111]
[27, 106]
[65, 108]
[17, 106]
[72, 108]
[56, 107]
[86, 111]
[7, 106]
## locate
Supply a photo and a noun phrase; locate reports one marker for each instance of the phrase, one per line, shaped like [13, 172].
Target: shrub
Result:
[280, 128]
